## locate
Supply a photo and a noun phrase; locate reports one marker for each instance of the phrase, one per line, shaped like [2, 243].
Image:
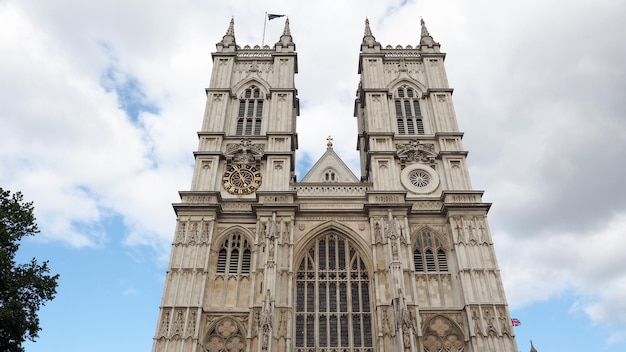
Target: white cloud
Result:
[589, 264]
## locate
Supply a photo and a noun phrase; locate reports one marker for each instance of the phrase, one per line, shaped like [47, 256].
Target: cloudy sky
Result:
[100, 102]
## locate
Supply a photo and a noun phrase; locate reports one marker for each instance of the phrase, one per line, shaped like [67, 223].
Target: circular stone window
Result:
[419, 178]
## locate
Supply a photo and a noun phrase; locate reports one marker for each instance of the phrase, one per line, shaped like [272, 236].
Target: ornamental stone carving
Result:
[225, 336]
[416, 152]
[244, 152]
[441, 334]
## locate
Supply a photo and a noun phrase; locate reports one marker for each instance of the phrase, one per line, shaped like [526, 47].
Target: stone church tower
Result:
[400, 259]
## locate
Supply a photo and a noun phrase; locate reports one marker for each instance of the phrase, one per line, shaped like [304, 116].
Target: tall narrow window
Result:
[250, 112]
[332, 299]
[408, 112]
[429, 254]
[234, 256]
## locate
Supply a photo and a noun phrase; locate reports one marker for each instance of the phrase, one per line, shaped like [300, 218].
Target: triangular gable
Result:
[330, 163]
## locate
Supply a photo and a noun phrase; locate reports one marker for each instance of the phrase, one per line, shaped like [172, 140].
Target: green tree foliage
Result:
[23, 287]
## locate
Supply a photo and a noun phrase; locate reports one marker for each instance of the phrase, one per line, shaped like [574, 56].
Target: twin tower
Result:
[399, 259]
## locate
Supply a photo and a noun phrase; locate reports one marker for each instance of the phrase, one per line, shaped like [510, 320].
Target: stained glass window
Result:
[334, 283]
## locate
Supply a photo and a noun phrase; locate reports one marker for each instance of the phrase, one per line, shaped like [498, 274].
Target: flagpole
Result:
[264, 24]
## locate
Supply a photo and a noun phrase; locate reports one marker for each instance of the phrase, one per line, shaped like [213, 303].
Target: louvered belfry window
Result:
[332, 298]
[250, 112]
[429, 254]
[408, 112]
[234, 256]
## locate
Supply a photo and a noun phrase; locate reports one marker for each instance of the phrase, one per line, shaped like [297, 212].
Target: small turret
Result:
[369, 42]
[286, 40]
[427, 41]
[228, 41]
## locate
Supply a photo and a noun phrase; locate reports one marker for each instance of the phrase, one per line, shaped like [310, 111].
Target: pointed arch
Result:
[332, 298]
[407, 107]
[429, 250]
[360, 244]
[416, 85]
[250, 104]
[240, 87]
[438, 236]
[234, 252]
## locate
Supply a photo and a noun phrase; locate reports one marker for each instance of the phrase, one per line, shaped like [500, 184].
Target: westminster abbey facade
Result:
[398, 259]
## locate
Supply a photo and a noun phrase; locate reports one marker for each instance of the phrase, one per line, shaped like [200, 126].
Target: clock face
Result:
[241, 179]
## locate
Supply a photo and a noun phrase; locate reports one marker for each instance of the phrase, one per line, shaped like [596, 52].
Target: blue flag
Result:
[271, 16]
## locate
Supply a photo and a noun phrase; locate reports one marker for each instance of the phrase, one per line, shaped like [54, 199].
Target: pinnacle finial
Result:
[368, 37]
[231, 27]
[229, 37]
[287, 31]
[286, 39]
[426, 38]
[368, 31]
[532, 348]
[424, 29]
[329, 144]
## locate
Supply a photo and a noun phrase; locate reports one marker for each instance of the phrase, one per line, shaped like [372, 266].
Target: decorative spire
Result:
[368, 37]
[368, 31]
[426, 38]
[424, 29]
[329, 144]
[229, 37]
[287, 31]
[231, 27]
[286, 39]
[532, 348]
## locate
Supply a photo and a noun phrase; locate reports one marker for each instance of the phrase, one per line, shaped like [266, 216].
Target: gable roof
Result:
[330, 161]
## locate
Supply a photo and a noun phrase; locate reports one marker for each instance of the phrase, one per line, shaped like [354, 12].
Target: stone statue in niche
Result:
[272, 234]
[266, 320]
[385, 322]
[377, 232]
[392, 236]
[282, 328]
[403, 316]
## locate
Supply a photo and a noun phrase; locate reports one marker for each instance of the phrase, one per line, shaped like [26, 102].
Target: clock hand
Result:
[243, 180]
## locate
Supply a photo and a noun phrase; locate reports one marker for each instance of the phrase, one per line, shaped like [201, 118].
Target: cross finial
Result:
[330, 142]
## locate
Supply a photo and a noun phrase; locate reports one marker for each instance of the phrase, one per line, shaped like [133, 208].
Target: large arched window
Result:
[234, 256]
[332, 298]
[428, 253]
[408, 112]
[250, 112]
